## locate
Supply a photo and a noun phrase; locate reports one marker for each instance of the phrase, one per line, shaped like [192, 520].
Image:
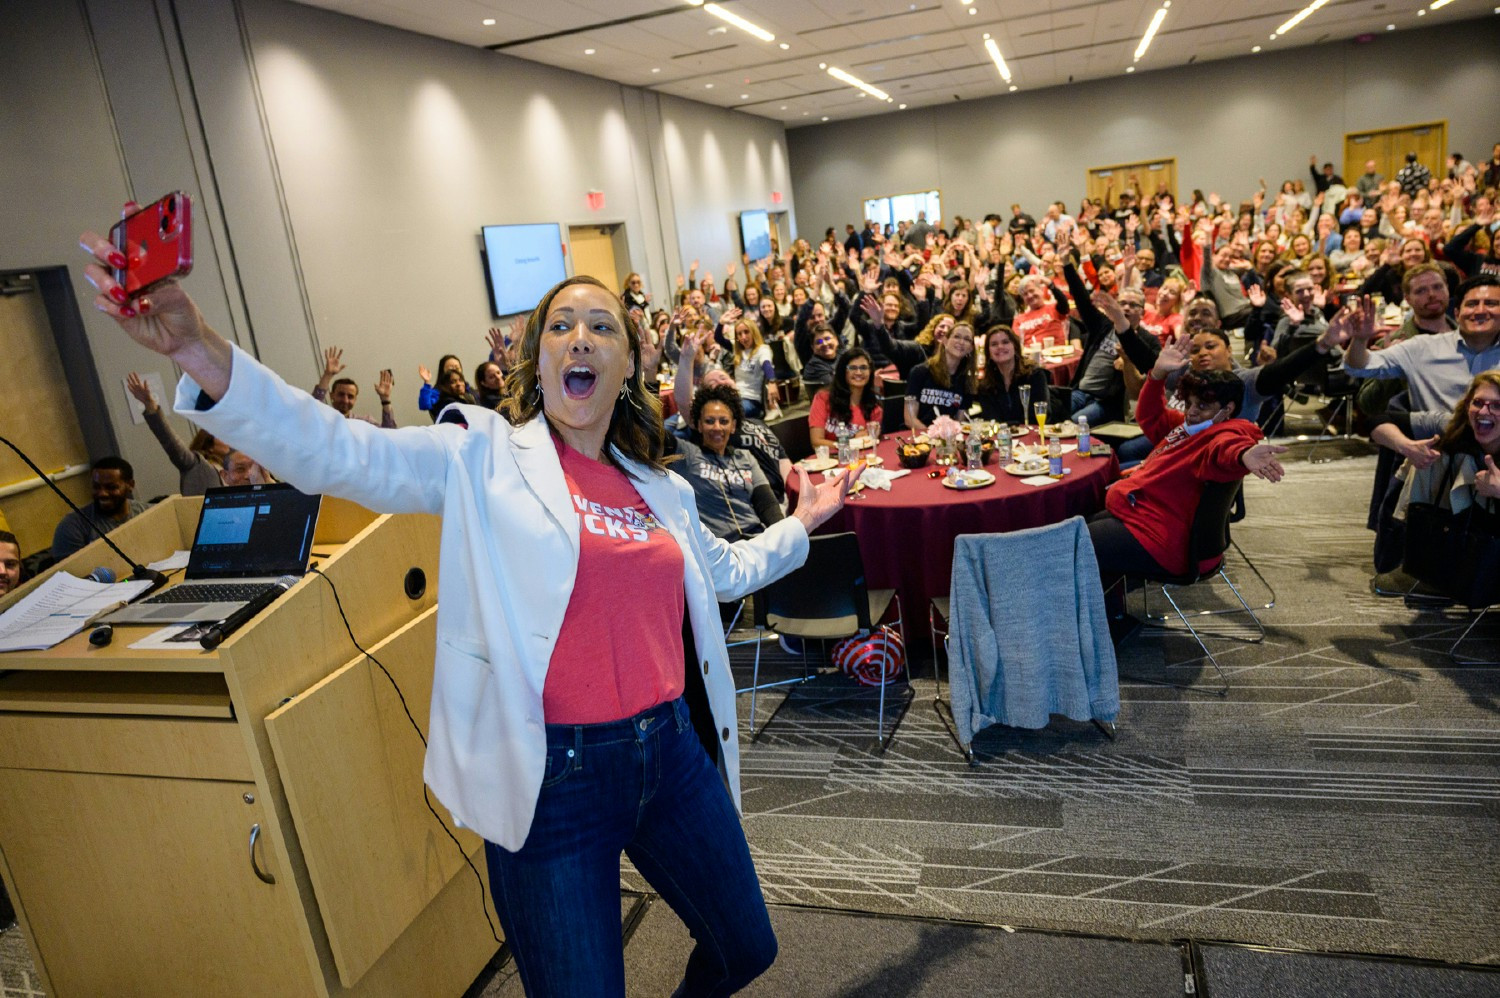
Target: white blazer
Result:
[507, 567]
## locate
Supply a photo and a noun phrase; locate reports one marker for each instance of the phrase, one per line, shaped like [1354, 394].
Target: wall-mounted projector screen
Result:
[523, 262]
[755, 233]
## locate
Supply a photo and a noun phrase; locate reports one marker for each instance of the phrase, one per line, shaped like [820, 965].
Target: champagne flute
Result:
[1040, 408]
[1025, 391]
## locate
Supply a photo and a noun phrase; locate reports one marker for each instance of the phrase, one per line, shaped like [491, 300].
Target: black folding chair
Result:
[826, 599]
[1208, 540]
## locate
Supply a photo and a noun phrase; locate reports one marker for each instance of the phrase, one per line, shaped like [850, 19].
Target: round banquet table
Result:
[906, 535]
[668, 400]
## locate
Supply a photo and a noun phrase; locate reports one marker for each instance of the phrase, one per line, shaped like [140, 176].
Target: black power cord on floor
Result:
[417, 728]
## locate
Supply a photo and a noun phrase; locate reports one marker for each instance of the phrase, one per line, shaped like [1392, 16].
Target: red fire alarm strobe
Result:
[595, 200]
[775, 197]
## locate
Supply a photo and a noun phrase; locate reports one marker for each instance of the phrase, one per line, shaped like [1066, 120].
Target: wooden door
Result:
[593, 249]
[37, 386]
[1151, 176]
[1388, 148]
[144, 886]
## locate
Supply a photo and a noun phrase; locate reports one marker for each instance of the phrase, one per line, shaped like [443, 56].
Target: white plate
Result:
[817, 464]
[1066, 431]
[972, 480]
[1020, 472]
[1057, 353]
[861, 443]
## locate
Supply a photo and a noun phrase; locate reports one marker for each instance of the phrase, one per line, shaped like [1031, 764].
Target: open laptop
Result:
[248, 537]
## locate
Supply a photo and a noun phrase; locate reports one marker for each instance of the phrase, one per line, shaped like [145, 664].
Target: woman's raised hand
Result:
[1173, 357]
[816, 503]
[166, 321]
[138, 388]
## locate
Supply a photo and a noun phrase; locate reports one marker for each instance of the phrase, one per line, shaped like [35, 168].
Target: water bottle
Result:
[1054, 456]
[846, 455]
[1084, 443]
[1003, 442]
[975, 450]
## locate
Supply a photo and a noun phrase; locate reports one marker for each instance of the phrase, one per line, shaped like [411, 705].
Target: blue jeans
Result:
[752, 409]
[1086, 405]
[1133, 451]
[646, 787]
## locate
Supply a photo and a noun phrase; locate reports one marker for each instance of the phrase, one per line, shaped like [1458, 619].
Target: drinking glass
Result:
[1040, 408]
[1025, 391]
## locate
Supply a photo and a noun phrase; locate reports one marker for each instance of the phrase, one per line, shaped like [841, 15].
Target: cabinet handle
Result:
[263, 875]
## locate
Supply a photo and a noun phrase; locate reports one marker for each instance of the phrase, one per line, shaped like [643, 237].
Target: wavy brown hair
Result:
[1458, 436]
[991, 382]
[635, 427]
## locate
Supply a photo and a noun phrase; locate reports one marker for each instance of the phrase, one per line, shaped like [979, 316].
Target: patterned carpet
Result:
[1343, 797]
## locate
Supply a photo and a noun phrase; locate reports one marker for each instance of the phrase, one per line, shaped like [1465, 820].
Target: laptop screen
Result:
[251, 530]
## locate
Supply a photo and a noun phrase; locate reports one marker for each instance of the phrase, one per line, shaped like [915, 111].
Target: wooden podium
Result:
[247, 821]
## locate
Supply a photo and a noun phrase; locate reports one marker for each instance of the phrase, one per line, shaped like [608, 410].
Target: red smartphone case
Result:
[157, 242]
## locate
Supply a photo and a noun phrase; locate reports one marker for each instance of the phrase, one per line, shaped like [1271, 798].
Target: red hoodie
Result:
[1165, 489]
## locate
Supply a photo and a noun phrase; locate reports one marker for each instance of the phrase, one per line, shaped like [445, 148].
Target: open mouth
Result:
[1484, 425]
[579, 381]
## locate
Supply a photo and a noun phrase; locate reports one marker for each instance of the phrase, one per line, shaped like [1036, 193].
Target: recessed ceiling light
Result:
[784, 46]
[1422, 13]
[1255, 49]
[488, 22]
[708, 86]
[744, 96]
[656, 69]
[588, 51]
[783, 107]
[1014, 88]
[822, 65]
[1390, 27]
[973, 11]
[1130, 69]
[804, 114]
[825, 117]
[903, 107]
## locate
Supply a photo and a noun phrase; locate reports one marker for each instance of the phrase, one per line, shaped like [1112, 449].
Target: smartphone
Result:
[157, 242]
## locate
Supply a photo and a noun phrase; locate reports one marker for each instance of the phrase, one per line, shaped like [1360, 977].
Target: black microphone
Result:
[215, 635]
[138, 572]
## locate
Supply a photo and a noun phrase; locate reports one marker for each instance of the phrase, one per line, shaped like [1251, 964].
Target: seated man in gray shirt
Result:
[114, 503]
[1437, 367]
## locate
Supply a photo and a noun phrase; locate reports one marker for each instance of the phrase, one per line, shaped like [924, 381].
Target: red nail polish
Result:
[127, 311]
[118, 294]
[117, 259]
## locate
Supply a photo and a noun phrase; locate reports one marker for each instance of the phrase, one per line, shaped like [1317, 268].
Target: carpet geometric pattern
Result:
[1345, 795]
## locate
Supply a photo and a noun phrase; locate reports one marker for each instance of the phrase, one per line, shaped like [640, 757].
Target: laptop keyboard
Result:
[211, 592]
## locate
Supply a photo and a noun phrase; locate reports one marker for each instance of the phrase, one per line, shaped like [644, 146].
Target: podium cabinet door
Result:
[145, 886]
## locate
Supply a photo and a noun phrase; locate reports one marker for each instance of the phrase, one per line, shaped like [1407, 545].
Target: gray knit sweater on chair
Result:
[1030, 636]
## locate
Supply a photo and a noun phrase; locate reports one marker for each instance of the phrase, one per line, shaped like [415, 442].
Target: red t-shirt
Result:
[620, 648]
[1039, 322]
[1163, 327]
[821, 414]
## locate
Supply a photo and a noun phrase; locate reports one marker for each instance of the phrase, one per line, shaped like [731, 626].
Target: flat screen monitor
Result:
[521, 263]
[755, 233]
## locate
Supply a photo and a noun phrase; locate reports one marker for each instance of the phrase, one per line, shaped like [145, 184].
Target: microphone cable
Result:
[483, 897]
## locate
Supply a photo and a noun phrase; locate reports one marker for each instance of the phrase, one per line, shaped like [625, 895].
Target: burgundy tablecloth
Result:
[906, 535]
[668, 402]
[1060, 372]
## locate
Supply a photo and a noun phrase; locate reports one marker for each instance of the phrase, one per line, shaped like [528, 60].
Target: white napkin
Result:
[880, 478]
[1037, 481]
